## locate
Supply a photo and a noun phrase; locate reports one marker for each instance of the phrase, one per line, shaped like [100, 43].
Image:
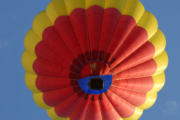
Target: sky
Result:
[16, 99]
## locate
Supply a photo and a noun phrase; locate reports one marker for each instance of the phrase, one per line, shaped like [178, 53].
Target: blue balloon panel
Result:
[107, 81]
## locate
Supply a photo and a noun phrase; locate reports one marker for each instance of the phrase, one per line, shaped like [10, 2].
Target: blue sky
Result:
[15, 98]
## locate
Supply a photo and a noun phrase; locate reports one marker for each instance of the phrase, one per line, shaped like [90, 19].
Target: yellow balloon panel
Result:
[27, 61]
[118, 4]
[162, 62]
[149, 23]
[38, 98]
[150, 100]
[30, 41]
[55, 9]
[159, 42]
[134, 8]
[73, 4]
[52, 114]
[159, 81]
[30, 81]
[40, 23]
[90, 3]
[137, 114]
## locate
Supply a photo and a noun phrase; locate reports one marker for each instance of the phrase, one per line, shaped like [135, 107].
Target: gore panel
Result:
[64, 26]
[133, 97]
[95, 21]
[138, 84]
[46, 84]
[52, 38]
[110, 23]
[68, 106]
[144, 53]
[79, 22]
[56, 97]
[81, 111]
[43, 68]
[124, 109]
[124, 29]
[94, 110]
[136, 40]
[107, 110]
[145, 69]
[44, 52]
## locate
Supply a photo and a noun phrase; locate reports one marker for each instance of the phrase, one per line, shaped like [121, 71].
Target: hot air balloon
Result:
[95, 59]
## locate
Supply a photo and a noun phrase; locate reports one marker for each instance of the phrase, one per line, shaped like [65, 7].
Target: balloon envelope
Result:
[95, 59]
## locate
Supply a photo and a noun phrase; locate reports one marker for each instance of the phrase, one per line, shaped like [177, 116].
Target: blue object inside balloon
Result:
[84, 84]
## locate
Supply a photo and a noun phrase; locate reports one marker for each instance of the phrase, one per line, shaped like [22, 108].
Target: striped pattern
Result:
[71, 33]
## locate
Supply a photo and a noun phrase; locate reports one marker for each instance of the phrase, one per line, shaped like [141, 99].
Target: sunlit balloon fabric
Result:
[95, 59]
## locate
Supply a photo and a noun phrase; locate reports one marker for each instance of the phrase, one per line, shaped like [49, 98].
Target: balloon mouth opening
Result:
[96, 83]
[95, 77]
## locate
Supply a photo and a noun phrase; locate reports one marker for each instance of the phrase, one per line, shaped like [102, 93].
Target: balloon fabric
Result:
[95, 59]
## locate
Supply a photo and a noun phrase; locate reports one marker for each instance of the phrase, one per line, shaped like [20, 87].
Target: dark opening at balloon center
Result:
[96, 83]
[95, 77]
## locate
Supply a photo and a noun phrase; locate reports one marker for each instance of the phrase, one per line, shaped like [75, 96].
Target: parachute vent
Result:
[96, 83]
